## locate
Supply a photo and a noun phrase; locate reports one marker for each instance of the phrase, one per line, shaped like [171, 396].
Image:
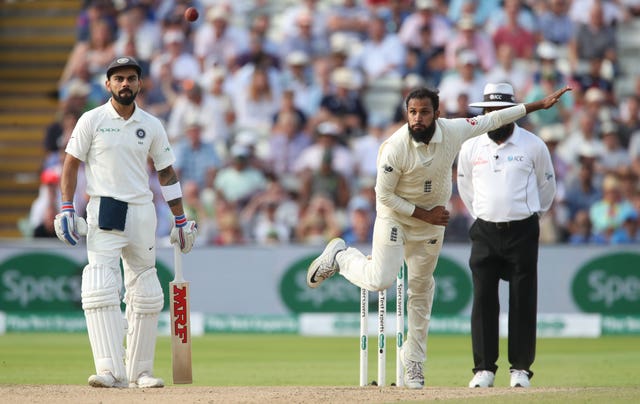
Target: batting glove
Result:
[68, 226]
[184, 233]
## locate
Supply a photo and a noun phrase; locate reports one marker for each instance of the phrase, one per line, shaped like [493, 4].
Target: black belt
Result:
[508, 225]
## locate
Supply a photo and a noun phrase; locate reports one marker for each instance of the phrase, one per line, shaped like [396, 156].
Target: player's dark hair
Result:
[422, 93]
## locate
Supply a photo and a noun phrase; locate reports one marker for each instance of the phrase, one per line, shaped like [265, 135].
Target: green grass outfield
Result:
[286, 360]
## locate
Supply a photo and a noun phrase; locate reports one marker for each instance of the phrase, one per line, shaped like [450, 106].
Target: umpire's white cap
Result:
[496, 95]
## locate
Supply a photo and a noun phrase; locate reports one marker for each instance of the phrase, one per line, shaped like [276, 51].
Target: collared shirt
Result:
[414, 174]
[115, 152]
[506, 182]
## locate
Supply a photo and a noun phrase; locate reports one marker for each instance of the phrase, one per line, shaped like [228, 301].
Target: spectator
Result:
[286, 143]
[592, 77]
[298, 78]
[581, 139]
[360, 220]
[196, 160]
[524, 17]
[327, 136]
[159, 94]
[220, 109]
[479, 9]
[580, 230]
[182, 64]
[257, 53]
[629, 231]
[45, 207]
[555, 24]
[629, 119]
[425, 14]
[469, 37]
[93, 54]
[382, 53]
[508, 69]
[217, 42]
[593, 39]
[93, 11]
[394, 12]
[427, 61]
[344, 103]
[137, 35]
[615, 158]
[326, 182]
[552, 135]
[301, 11]
[270, 217]
[365, 148]
[608, 214]
[582, 192]
[467, 79]
[306, 39]
[199, 207]
[318, 222]
[546, 83]
[634, 152]
[512, 33]
[256, 104]
[191, 105]
[238, 182]
[56, 136]
[229, 230]
[351, 18]
[580, 11]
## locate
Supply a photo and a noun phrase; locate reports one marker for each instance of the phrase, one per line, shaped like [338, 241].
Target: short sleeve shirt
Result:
[116, 152]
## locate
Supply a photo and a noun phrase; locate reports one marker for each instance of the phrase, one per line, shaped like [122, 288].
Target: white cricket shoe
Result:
[413, 373]
[325, 266]
[482, 378]
[105, 380]
[520, 378]
[146, 381]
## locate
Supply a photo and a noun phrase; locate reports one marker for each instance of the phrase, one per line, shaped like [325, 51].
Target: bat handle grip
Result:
[177, 264]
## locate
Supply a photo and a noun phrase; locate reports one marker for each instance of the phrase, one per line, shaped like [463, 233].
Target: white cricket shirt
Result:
[414, 174]
[115, 152]
[506, 182]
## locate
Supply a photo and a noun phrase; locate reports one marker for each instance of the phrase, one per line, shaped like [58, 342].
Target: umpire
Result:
[506, 180]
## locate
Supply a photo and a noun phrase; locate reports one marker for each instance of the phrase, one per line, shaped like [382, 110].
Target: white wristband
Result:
[171, 192]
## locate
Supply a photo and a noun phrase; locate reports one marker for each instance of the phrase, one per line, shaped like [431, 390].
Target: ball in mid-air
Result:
[191, 14]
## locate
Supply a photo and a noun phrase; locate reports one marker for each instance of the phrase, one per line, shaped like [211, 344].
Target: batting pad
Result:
[105, 325]
[144, 299]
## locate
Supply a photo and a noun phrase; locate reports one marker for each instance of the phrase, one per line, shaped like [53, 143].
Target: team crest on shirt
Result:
[472, 121]
[141, 133]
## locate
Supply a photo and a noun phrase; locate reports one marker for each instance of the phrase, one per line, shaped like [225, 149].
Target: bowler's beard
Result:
[502, 133]
[125, 97]
[423, 134]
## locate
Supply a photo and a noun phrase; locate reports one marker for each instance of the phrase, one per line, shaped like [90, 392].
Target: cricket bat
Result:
[180, 324]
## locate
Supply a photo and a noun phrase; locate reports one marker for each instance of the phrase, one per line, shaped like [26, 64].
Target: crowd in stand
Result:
[267, 105]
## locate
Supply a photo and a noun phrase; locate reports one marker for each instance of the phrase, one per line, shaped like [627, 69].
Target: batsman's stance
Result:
[413, 185]
[114, 141]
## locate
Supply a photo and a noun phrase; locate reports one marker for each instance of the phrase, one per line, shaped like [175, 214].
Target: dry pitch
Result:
[69, 394]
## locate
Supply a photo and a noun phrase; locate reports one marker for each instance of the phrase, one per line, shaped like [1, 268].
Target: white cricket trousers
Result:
[394, 244]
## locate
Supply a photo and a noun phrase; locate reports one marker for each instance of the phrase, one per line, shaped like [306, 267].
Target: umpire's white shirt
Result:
[116, 151]
[414, 174]
[506, 182]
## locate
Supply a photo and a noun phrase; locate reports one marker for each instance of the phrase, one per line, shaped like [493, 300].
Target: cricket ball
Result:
[191, 14]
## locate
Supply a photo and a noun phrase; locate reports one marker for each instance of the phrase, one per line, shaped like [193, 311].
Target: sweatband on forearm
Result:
[171, 192]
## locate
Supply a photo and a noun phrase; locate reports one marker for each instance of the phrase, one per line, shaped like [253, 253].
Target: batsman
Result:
[115, 141]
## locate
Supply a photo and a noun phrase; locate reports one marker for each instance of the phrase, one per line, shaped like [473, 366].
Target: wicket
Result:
[364, 333]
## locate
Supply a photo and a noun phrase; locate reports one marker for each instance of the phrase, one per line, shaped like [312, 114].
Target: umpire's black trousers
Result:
[507, 251]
